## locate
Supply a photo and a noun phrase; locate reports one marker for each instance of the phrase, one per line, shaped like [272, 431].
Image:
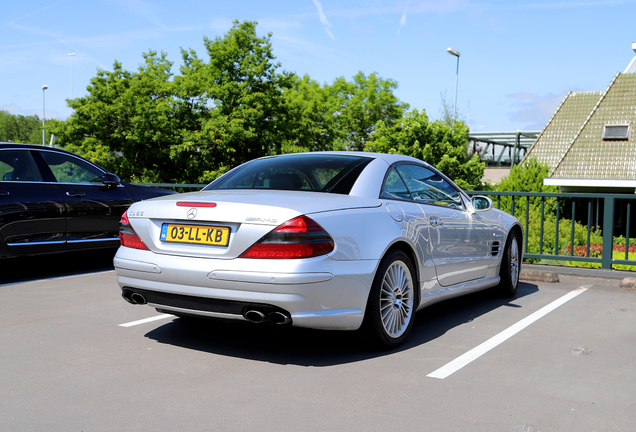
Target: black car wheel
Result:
[510, 266]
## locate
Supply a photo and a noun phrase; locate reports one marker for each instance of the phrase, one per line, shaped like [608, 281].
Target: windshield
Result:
[301, 172]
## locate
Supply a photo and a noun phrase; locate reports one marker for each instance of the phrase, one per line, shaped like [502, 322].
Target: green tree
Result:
[358, 106]
[151, 126]
[447, 111]
[311, 121]
[21, 129]
[342, 115]
[247, 115]
[440, 144]
[126, 122]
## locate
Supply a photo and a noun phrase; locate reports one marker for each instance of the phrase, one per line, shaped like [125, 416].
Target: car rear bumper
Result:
[316, 293]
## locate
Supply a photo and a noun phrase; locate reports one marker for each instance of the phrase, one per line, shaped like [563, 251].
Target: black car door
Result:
[93, 209]
[32, 211]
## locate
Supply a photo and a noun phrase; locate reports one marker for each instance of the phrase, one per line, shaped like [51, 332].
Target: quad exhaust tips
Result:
[263, 316]
[258, 317]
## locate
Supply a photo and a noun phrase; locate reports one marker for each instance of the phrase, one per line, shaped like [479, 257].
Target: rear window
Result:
[327, 173]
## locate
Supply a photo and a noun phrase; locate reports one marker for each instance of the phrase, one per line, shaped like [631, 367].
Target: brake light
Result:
[194, 204]
[127, 235]
[300, 237]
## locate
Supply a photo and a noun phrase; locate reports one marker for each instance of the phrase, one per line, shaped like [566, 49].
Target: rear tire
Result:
[390, 309]
[510, 266]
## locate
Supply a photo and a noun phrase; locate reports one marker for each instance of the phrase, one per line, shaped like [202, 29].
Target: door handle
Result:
[4, 193]
[436, 222]
[75, 194]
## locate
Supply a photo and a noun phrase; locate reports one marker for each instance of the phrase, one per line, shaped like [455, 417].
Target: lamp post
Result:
[454, 52]
[44, 87]
[71, 56]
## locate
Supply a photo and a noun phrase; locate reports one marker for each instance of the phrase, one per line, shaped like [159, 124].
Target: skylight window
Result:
[616, 132]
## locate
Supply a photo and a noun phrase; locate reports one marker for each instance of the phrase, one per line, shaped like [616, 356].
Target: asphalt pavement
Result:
[76, 357]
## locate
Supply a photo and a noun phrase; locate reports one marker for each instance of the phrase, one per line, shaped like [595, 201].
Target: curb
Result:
[528, 275]
[628, 284]
[543, 273]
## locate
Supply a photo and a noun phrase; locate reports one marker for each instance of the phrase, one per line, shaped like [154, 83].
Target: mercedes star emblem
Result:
[192, 213]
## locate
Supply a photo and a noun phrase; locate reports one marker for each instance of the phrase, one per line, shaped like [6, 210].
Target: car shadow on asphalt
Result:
[23, 269]
[307, 347]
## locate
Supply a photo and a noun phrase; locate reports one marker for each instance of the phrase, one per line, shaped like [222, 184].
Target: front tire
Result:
[510, 266]
[390, 309]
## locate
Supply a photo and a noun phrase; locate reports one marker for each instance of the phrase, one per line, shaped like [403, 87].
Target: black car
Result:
[52, 200]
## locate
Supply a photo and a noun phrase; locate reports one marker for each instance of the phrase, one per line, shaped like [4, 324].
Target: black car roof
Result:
[5, 145]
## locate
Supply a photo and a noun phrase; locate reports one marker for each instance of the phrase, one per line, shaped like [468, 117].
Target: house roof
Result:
[561, 130]
[572, 142]
[590, 156]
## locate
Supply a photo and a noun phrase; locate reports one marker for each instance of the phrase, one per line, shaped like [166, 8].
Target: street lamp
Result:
[71, 56]
[44, 87]
[454, 52]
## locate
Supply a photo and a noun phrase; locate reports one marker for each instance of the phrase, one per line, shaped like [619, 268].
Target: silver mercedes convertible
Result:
[326, 240]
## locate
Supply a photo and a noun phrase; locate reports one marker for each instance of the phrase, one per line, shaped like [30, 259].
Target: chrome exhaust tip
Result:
[254, 316]
[133, 297]
[279, 318]
[138, 299]
[127, 295]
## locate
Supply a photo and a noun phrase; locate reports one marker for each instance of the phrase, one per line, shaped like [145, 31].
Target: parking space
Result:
[75, 356]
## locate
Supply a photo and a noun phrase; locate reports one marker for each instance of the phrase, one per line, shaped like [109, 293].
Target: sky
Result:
[518, 59]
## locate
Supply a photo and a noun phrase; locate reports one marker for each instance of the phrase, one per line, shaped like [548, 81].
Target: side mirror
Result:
[110, 180]
[481, 203]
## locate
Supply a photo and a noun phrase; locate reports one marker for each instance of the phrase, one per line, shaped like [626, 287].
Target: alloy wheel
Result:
[396, 299]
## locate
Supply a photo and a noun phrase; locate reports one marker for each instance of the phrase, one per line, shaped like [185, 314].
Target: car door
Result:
[32, 208]
[93, 209]
[458, 236]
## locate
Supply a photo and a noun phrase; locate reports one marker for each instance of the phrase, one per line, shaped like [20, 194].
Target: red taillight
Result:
[127, 235]
[300, 237]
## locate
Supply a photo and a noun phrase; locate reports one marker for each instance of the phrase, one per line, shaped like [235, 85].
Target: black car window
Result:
[394, 187]
[18, 165]
[300, 172]
[69, 169]
[428, 187]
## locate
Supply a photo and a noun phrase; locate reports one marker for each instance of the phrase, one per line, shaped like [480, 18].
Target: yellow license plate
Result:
[197, 234]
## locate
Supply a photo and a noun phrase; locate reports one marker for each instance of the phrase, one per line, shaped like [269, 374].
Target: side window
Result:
[394, 187]
[68, 169]
[428, 187]
[18, 165]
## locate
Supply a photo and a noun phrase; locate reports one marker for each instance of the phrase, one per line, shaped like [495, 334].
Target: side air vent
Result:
[495, 248]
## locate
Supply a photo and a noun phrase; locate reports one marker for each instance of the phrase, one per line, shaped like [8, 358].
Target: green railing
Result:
[608, 213]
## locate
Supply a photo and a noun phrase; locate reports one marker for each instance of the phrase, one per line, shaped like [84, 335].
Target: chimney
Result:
[631, 67]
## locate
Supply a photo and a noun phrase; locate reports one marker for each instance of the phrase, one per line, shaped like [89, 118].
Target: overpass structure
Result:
[493, 146]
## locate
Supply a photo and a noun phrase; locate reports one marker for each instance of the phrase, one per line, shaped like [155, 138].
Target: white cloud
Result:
[323, 19]
[403, 19]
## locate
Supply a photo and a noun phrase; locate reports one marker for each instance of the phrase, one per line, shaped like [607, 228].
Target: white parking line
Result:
[491, 343]
[147, 320]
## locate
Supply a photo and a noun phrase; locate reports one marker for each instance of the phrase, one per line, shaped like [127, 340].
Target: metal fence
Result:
[607, 217]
